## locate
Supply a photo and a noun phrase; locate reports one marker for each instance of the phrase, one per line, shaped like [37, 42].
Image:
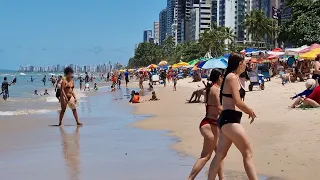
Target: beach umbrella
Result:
[122, 70]
[311, 55]
[310, 48]
[271, 57]
[131, 70]
[163, 63]
[180, 64]
[295, 51]
[152, 66]
[214, 63]
[142, 69]
[193, 62]
[277, 50]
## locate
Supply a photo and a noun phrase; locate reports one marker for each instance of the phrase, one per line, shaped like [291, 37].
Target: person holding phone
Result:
[231, 131]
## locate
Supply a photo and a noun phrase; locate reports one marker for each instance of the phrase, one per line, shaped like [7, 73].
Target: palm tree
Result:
[259, 26]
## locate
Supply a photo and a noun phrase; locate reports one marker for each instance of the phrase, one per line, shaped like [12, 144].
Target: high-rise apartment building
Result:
[162, 25]
[147, 34]
[201, 15]
[182, 18]
[170, 16]
[156, 32]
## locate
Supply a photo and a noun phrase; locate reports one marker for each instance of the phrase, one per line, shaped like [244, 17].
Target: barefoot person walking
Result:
[231, 130]
[208, 126]
[68, 97]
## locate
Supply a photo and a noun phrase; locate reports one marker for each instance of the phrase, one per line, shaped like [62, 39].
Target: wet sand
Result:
[106, 147]
[285, 142]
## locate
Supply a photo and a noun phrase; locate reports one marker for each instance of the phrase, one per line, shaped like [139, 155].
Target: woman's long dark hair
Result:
[233, 64]
[214, 77]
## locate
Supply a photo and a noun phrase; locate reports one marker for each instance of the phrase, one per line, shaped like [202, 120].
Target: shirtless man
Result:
[316, 73]
[68, 97]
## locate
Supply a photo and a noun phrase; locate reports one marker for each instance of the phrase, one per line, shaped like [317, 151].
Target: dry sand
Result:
[286, 142]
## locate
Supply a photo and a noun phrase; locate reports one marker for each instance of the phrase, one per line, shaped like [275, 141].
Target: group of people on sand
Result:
[221, 126]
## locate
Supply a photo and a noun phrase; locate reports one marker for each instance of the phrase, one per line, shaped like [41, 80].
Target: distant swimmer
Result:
[96, 88]
[36, 93]
[31, 79]
[44, 80]
[14, 81]
[5, 88]
[58, 88]
[53, 80]
[68, 97]
[46, 93]
[81, 82]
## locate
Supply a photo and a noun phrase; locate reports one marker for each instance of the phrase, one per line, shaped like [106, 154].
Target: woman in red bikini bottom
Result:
[208, 126]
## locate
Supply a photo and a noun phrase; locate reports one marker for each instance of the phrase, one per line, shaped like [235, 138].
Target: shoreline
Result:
[275, 143]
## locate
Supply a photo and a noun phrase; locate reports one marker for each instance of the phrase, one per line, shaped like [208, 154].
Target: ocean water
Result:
[22, 99]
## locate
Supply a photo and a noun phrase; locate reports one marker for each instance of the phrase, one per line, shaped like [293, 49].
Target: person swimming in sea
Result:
[68, 96]
[96, 88]
[46, 93]
[31, 79]
[36, 93]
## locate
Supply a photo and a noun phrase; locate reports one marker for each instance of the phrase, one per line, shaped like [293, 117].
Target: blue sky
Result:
[43, 32]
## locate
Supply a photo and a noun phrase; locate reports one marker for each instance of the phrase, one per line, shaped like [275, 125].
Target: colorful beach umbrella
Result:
[214, 63]
[180, 64]
[163, 63]
[152, 66]
[311, 55]
[193, 62]
[310, 48]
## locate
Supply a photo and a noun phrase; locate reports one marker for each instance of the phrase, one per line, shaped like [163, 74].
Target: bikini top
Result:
[242, 92]
[69, 85]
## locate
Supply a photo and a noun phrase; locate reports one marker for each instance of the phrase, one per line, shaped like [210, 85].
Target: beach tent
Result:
[310, 48]
[152, 66]
[295, 51]
[163, 63]
[311, 55]
[214, 63]
[180, 64]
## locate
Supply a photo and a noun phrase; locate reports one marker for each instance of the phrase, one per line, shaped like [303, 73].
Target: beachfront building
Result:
[156, 32]
[201, 14]
[170, 16]
[147, 34]
[162, 25]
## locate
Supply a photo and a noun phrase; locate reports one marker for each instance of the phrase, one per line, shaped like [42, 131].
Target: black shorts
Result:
[58, 93]
[229, 116]
[316, 77]
[127, 79]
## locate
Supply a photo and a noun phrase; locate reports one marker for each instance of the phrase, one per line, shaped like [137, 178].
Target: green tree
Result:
[303, 26]
[259, 26]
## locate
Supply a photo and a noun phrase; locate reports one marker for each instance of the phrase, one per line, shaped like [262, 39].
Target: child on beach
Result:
[136, 98]
[175, 79]
[154, 97]
[46, 92]
[150, 87]
[132, 95]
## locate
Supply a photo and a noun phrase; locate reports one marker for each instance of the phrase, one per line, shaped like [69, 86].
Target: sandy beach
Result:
[285, 141]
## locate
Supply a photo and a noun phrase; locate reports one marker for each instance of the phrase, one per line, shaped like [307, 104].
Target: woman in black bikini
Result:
[208, 126]
[68, 97]
[231, 130]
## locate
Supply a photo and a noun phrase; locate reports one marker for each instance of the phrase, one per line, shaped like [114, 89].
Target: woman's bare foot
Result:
[79, 124]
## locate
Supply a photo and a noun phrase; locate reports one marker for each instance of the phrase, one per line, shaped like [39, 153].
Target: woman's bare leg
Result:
[75, 114]
[224, 144]
[63, 110]
[311, 103]
[238, 136]
[209, 144]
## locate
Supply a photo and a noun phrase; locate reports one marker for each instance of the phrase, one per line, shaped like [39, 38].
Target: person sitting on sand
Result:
[132, 95]
[197, 94]
[46, 92]
[95, 87]
[154, 97]
[310, 85]
[136, 98]
[284, 75]
[313, 100]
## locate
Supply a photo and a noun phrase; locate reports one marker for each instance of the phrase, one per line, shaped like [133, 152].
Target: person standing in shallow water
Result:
[231, 131]
[208, 126]
[68, 97]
